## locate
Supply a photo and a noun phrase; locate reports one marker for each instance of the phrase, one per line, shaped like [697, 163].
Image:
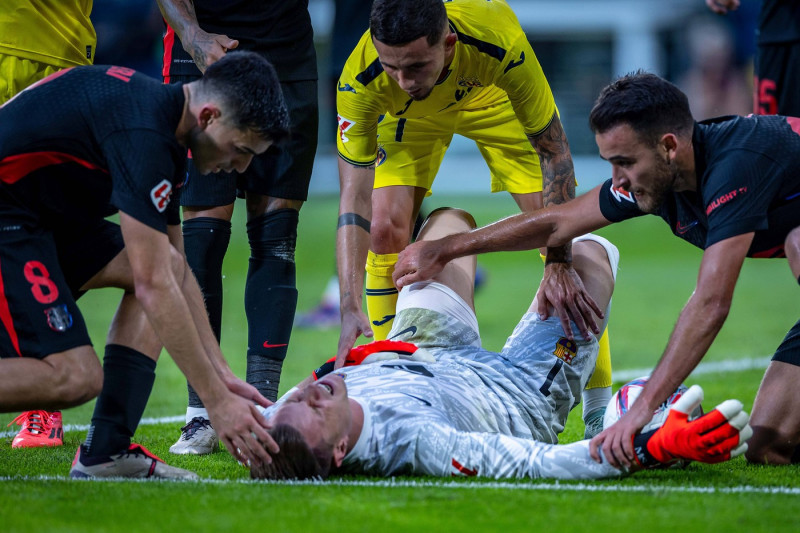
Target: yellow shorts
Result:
[17, 73]
[411, 150]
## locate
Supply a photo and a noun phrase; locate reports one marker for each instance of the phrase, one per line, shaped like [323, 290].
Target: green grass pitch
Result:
[657, 274]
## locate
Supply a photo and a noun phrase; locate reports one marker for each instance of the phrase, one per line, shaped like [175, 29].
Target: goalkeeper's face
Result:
[320, 411]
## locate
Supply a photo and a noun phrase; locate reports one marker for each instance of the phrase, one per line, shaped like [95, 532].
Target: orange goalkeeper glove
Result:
[717, 436]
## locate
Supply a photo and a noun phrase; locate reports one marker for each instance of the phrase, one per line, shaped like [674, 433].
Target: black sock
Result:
[270, 297]
[128, 377]
[205, 240]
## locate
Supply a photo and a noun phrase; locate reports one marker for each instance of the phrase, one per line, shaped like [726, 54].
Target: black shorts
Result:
[789, 350]
[778, 79]
[41, 273]
[280, 172]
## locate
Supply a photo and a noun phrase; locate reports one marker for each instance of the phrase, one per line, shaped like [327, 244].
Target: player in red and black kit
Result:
[730, 186]
[81, 145]
[777, 62]
[199, 32]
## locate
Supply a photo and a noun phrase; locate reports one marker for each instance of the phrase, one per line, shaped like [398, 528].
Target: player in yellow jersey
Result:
[36, 40]
[39, 38]
[424, 71]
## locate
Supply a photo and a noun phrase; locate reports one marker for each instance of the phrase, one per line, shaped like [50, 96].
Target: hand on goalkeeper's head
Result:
[719, 435]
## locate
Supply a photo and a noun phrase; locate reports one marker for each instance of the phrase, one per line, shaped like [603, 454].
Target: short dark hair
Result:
[398, 22]
[650, 105]
[249, 87]
[296, 459]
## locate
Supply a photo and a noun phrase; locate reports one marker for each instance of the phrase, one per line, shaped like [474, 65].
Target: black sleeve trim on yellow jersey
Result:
[487, 48]
[356, 163]
[543, 129]
[370, 73]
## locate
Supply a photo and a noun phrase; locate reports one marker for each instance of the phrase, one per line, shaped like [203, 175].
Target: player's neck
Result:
[687, 175]
[356, 424]
[187, 119]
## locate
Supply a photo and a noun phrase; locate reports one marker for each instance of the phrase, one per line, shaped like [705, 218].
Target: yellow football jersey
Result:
[493, 61]
[53, 32]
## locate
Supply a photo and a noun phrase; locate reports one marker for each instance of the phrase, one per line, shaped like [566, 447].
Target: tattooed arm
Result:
[561, 288]
[205, 48]
[558, 175]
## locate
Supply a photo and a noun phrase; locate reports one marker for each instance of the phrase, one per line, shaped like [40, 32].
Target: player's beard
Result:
[665, 175]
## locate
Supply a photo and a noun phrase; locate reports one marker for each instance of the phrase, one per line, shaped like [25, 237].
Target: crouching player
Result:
[438, 404]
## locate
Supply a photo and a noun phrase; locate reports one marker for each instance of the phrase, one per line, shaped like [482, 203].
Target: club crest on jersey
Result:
[58, 318]
[469, 81]
[566, 350]
[344, 125]
[622, 195]
[345, 88]
[160, 195]
[381, 156]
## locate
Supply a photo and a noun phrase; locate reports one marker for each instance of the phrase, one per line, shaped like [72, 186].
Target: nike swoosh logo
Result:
[683, 229]
[268, 345]
[410, 329]
[424, 402]
[386, 318]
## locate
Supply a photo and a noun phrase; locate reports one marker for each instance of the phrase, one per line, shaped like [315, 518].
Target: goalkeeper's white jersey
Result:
[474, 412]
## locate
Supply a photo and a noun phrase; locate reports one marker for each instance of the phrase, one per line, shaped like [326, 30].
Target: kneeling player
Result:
[438, 404]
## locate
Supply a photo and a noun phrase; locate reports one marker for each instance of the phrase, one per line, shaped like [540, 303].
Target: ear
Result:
[450, 40]
[208, 113]
[669, 142]
[339, 451]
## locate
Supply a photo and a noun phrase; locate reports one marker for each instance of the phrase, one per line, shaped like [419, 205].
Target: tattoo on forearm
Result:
[199, 57]
[353, 219]
[558, 173]
[558, 176]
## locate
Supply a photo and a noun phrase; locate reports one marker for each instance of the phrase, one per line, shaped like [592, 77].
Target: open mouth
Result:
[326, 386]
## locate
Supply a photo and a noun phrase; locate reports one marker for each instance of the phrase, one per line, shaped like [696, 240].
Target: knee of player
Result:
[273, 235]
[76, 380]
[389, 235]
[769, 447]
[444, 221]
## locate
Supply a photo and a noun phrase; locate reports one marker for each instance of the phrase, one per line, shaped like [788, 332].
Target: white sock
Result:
[192, 412]
[593, 399]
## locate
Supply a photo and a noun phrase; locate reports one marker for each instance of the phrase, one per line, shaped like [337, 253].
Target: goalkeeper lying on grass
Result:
[431, 401]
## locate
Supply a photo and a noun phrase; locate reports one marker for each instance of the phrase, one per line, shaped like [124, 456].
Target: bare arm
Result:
[551, 226]
[352, 244]
[205, 48]
[697, 326]
[561, 288]
[172, 301]
[558, 176]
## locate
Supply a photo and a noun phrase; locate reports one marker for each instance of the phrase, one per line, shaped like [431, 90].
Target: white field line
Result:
[730, 365]
[474, 485]
[711, 367]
